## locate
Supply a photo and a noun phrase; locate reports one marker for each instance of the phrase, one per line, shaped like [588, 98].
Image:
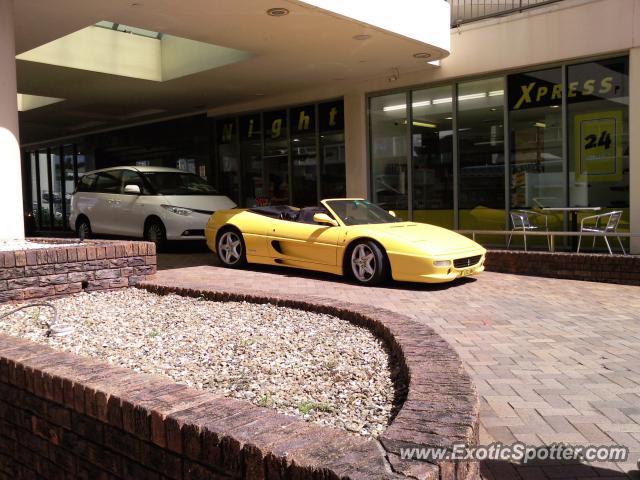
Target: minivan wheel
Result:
[155, 232]
[83, 228]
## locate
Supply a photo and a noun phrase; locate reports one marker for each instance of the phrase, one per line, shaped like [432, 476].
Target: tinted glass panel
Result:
[432, 150]
[251, 156]
[598, 122]
[304, 156]
[537, 178]
[276, 157]
[228, 163]
[134, 178]
[481, 152]
[86, 183]
[45, 198]
[108, 182]
[331, 116]
[173, 183]
[333, 182]
[389, 144]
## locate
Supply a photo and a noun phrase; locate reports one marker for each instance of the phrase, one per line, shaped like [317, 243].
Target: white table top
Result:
[572, 209]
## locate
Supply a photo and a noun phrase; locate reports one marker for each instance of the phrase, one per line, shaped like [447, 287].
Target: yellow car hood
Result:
[435, 240]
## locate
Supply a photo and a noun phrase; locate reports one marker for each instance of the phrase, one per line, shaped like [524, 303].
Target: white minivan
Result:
[153, 203]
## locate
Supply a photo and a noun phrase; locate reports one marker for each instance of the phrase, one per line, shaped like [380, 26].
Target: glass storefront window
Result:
[69, 178]
[276, 157]
[304, 156]
[35, 191]
[45, 197]
[57, 179]
[481, 154]
[598, 123]
[333, 182]
[389, 145]
[432, 156]
[253, 184]
[556, 158]
[537, 169]
[228, 163]
[333, 178]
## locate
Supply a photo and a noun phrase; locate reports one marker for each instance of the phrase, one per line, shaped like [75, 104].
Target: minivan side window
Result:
[108, 182]
[134, 178]
[86, 183]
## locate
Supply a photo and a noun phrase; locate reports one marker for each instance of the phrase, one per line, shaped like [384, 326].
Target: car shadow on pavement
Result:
[183, 257]
[503, 470]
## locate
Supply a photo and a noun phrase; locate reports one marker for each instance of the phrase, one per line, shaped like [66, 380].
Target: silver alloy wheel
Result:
[363, 262]
[154, 233]
[230, 248]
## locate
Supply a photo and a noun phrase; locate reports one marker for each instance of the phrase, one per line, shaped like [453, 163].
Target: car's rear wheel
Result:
[369, 264]
[230, 248]
[83, 228]
[155, 232]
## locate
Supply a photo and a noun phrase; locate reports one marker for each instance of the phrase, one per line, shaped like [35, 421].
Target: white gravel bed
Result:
[11, 245]
[314, 366]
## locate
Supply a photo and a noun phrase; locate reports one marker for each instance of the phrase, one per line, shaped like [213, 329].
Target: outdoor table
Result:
[574, 218]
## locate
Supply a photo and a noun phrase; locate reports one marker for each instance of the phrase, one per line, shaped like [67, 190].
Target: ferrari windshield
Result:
[360, 212]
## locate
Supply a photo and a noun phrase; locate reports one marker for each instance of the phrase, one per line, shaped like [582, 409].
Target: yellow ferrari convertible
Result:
[346, 237]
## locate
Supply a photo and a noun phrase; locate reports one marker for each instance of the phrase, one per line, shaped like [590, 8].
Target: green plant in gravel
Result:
[265, 400]
[153, 333]
[306, 407]
[331, 364]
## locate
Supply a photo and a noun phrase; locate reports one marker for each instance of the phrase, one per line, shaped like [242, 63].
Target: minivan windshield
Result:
[360, 212]
[178, 183]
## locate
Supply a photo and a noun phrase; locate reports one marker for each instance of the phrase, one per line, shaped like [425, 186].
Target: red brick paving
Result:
[554, 360]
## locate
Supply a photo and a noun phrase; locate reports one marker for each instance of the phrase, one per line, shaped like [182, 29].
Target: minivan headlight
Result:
[442, 263]
[178, 210]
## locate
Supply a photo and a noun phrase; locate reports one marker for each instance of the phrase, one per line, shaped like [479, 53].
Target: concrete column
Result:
[634, 146]
[355, 130]
[11, 214]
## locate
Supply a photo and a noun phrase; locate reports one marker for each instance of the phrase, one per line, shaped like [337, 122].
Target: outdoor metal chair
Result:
[522, 220]
[603, 223]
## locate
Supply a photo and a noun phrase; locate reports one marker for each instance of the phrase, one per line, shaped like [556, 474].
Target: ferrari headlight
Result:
[178, 210]
[442, 263]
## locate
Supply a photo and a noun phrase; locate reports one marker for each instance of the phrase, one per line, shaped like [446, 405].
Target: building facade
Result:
[536, 108]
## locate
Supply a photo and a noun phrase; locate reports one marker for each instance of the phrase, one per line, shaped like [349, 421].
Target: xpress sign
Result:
[584, 83]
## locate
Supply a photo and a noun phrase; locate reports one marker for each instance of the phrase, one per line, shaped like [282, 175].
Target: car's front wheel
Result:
[369, 264]
[155, 232]
[83, 228]
[230, 249]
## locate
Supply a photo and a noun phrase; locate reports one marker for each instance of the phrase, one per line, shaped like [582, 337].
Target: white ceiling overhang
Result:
[114, 52]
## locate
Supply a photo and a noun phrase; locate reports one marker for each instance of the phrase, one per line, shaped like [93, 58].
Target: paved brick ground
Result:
[553, 360]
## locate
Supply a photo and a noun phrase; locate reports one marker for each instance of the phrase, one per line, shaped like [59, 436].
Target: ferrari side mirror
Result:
[324, 219]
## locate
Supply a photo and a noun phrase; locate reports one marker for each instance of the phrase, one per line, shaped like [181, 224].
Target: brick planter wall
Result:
[622, 269]
[73, 267]
[63, 416]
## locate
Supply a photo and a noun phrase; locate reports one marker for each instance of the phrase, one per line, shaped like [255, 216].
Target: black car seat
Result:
[306, 214]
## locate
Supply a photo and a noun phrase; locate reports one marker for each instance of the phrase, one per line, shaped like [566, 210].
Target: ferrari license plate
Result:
[466, 271]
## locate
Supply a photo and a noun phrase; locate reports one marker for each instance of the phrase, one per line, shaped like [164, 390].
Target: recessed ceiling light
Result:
[277, 12]
[422, 55]
[362, 36]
